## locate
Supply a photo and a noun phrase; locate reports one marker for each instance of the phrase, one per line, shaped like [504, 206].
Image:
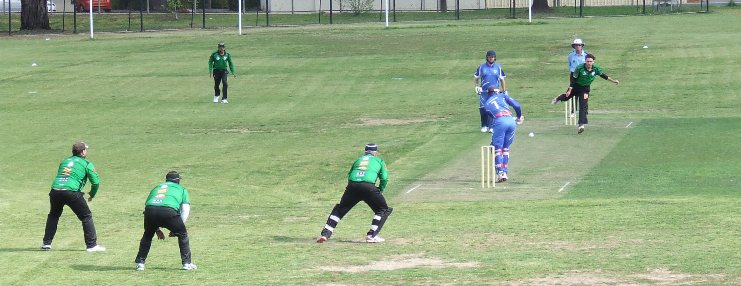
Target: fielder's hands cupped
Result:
[160, 234]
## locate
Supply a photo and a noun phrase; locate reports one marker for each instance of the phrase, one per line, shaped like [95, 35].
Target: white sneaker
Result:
[139, 266]
[189, 266]
[46, 246]
[224, 101]
[96, 248]
[374, 239]
[484, 129]
[491, 130]
[502, 177]
[580, 130]
[216, 99]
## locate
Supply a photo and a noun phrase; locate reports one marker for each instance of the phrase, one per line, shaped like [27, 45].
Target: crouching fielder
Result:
[361, 186]
[498, 106]
[167, 206]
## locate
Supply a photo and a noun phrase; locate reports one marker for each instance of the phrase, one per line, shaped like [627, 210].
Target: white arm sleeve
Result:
[184, 212]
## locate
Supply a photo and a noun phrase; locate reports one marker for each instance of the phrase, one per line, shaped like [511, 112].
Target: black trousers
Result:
[220, 77]
[583, 104]
[354, 193]
[76, 201]
[156, 217]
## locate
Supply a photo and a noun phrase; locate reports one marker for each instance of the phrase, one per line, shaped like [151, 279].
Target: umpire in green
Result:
[168, 206]
[217, 65]
[361, 186]
[66, 189]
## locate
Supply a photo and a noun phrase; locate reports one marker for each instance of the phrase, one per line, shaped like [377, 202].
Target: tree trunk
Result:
[541, 5]
[34, 15]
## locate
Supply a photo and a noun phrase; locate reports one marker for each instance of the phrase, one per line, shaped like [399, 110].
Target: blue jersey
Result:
[489, 75]
[576, 59]
[499, 104]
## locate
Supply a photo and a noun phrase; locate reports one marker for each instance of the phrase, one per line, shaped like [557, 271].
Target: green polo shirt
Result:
[369, 168]
[168, 194]
[584, 77]
[73, 173]
[220, 62]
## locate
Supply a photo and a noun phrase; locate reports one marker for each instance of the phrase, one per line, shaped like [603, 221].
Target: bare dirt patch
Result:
[403, 261]
[201, 131]
[664, 276]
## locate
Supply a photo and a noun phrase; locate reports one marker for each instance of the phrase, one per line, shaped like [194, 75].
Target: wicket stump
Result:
[488, 170]
[569, 111]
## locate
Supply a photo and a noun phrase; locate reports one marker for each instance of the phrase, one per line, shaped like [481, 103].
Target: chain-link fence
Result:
[149, 15]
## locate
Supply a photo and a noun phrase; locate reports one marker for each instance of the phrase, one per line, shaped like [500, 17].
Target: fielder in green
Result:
[217, 68]
[168, 206]
[361, 186]
[67, 189]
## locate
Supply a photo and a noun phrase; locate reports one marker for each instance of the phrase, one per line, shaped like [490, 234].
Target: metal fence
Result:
[136, 19]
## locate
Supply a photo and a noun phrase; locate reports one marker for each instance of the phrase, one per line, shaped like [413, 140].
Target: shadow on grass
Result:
[281, 238]
[312, 240]
[81, 267]
[34, 249]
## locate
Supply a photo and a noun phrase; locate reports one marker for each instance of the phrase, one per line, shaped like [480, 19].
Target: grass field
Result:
[648, 195]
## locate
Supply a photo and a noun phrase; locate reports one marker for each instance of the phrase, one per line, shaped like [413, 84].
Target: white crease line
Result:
[564, 186]
[629, 124]
[415, 187]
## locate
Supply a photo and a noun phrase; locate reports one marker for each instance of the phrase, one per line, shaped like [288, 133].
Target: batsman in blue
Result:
[499, 106]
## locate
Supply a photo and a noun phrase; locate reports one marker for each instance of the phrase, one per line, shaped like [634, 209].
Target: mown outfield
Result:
[648, 195]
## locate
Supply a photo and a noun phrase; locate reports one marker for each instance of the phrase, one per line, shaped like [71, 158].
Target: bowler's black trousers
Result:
[156, 217]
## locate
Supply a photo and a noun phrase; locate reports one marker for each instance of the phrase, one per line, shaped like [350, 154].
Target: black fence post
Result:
[581, 8]
[394, 10]
[9, 23]
[141, 16]
[330, 12]
[64, 9]
[320, 11]
[74, 19]
[203, 12]
[267, 13]
[513, 5]
[457, 9]
[644, 7]
[129, 28]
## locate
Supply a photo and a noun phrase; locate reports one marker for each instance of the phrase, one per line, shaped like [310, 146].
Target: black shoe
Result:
[556, 99]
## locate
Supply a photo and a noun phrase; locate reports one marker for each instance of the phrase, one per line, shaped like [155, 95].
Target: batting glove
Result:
[478, 90]
[159, 234]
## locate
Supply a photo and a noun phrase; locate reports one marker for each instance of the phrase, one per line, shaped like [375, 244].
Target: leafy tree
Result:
[358, 6]
[173, 6]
